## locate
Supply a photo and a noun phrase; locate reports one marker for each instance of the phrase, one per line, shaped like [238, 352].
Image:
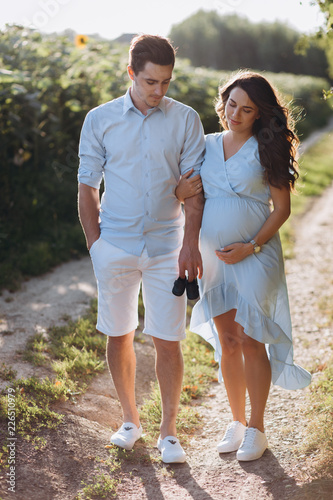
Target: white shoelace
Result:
[231, 429]
[249, 436]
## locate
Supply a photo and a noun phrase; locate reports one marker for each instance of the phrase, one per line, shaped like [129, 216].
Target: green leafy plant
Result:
[7, 373]
[33, 400]
[102, 486]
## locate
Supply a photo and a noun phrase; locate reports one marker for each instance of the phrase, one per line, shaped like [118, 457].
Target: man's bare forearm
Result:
[88, 208]
[193, 216]
[190, 258]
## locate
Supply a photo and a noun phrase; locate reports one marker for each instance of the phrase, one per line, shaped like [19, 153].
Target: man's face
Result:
[149, 85]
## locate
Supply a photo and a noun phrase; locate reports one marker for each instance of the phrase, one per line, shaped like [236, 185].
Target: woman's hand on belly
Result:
[231, 254]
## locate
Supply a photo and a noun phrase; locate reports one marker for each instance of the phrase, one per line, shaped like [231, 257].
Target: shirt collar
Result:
[128, 103]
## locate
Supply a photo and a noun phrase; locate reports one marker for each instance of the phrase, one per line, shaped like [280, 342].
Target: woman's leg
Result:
[244, 365]
[232, 363]
[258, 379]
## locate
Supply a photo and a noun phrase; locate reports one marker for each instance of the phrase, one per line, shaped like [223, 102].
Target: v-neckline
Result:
[223, 154]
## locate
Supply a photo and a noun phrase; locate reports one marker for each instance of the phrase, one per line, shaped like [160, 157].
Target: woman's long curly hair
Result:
[273, 129]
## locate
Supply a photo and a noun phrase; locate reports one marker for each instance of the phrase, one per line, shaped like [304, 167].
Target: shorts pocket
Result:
[94, 245]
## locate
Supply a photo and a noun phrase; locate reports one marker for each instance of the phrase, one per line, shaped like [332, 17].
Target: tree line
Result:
[231, 42]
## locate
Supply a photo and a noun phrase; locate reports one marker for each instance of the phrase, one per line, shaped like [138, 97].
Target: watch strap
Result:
[256, 247]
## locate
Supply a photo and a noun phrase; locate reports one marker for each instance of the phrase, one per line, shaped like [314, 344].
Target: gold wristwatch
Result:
[256, 247]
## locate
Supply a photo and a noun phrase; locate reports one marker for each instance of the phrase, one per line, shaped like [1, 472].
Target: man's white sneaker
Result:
[253, 446]
[171, 450]
[126, 436]
[232, 438]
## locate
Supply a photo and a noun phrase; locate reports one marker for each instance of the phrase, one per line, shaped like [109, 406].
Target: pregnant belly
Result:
[230, 220]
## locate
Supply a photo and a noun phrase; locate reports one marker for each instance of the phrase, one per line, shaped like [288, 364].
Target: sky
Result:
[111, 18]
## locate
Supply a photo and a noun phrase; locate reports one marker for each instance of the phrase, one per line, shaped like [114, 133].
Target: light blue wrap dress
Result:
[237, 203]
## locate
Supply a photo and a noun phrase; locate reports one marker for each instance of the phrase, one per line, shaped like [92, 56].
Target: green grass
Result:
[72, 354]
[105, 479]
[36, 350]
[318, 442]
[7, 373]
[101, 486]
[33, 408]
[73, 351]
[316, 173]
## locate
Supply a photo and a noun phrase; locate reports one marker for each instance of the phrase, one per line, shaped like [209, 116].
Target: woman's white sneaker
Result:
[253, 446]
[232, 438]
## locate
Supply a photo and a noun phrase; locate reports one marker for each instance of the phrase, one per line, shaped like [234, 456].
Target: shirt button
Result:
[147, 213]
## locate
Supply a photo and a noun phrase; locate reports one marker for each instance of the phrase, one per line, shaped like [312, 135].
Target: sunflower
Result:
[81, 41]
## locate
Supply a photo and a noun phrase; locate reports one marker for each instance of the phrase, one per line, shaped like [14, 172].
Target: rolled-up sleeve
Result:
[194, 145]
[91, 153]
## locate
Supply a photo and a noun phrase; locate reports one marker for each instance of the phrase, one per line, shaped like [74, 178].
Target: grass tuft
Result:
[101, 486]
[319, 437]
[7, 373]
[78, 363]
[33, 400]
[36, 350]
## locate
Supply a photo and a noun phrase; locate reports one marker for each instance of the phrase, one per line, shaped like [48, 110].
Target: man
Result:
[141, 143]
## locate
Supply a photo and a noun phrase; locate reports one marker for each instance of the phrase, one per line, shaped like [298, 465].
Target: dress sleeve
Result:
[194, 145]
[91, 154]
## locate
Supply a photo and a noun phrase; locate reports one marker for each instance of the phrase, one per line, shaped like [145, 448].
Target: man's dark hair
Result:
[150, 48]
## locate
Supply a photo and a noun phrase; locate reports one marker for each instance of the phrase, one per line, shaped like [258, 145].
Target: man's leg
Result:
[122, 363]
[169, 371]
[165, 320]
[118, 280]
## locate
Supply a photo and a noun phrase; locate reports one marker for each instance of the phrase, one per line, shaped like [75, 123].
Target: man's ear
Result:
[130, 72]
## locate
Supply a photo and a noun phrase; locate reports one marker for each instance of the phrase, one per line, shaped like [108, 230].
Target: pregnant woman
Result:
[243, 310]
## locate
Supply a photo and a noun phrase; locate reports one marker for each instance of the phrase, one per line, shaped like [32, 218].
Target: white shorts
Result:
[119, 275]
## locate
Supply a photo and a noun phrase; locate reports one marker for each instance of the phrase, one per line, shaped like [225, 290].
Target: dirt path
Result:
[56, 471]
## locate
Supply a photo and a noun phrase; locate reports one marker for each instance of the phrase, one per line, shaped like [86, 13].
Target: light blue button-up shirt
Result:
[141, 158]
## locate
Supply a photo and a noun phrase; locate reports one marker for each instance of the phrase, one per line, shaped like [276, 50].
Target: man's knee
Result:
[167, 346]
[120, 341]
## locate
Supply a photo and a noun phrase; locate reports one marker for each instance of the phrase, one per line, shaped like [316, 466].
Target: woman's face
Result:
[241, 112]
